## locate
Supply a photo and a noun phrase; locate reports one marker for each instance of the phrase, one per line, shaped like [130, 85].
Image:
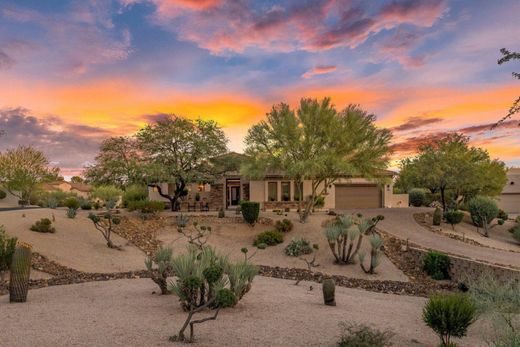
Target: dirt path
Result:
[400, 222]
[274, 313]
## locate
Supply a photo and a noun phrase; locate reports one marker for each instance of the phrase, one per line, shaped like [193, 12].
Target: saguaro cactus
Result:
[20, 272]
[329, 290]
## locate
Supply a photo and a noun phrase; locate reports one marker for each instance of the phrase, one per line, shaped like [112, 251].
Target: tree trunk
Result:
[443, 200]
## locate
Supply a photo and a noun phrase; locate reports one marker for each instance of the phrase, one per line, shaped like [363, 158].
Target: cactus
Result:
[20, 272]
[437, 216]
[376, 242]
[329, 289]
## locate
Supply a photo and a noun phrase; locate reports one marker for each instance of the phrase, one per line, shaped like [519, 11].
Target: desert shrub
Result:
[7, 247]
[437, 216]
[514, 228]
[159, 266]
[71, 203]
[43, 225]
[134, 193]
[517, 219]
[250, 211]
[269, 237]
[86, 205]
[319, 201]
[52, 202]
[417, 197]
[105, 223]
[516, 234]
[146, 206]
[359, 335]
[298, 247]
[500, 221]
[261, 246]
[502, 215]
[483, 210]
[449, 315]
[284, 225]
[108, 194]
[71, 213]
[437, 265]
[3, 194]
[430, 198]
[454, 217]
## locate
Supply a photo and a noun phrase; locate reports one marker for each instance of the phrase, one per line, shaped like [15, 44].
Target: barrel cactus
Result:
[329, 290]
[20, 272]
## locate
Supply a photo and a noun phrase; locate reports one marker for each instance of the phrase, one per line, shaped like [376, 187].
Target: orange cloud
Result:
[319, 70]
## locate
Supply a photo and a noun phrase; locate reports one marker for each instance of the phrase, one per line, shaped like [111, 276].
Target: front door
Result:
[234, 195]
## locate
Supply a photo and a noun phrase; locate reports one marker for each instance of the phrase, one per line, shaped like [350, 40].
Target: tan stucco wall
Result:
[509, 200]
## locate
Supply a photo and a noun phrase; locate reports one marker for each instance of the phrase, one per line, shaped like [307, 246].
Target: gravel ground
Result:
[274, 313]
[76, 243]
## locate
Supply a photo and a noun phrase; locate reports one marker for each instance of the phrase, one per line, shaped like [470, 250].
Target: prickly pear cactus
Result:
[329, 289]
[20, 271]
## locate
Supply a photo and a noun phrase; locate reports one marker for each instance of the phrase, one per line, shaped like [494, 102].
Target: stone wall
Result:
[245, 191]
[461, 268]
[216, 197]
[280, 205]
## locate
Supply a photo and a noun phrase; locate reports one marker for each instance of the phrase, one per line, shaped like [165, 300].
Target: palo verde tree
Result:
[178, 151]
[452, 165]
[22, 169]
[316, 143]
[118, 163]
[508, 56]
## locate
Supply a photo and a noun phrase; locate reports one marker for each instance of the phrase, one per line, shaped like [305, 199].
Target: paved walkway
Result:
[400, 222]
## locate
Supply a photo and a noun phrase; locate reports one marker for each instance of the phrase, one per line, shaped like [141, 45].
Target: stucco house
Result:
[277, 192]
[80, 189]
[509, 199]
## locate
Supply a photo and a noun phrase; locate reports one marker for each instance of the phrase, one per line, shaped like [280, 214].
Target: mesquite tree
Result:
[105, 222]
[316, 143]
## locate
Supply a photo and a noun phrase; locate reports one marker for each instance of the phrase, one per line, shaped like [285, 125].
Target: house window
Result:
[272, 191]
[286, 191]
[298, 191]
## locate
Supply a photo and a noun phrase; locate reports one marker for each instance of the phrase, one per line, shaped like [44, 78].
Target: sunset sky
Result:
[75, 72]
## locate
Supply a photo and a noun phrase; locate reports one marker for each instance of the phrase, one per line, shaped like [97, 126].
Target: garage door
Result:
[509, 203]
[357, 196]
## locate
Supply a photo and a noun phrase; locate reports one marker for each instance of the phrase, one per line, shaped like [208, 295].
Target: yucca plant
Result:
[160, 268]
[376, 242]
[346, 235]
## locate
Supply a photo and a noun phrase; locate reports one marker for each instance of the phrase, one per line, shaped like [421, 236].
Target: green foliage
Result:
[3, 194]
[71, 213]
[7, 247]
[449, 315]
[502, 215]
[134, 193]
[44, 225]
[515, 107]
[437, 265]
[326, 142]
[105, 222]
[483, 210]
[269, 237]
[261, 246]
[160, 267]
[109, 194]
[319, 201]
[454, 217]
[146, 206]
[71, 203]
[226, 298]
[298, 247]
[437, 216]
[515, 228]
[284, 225]
[516, 234]
[359, 335]
[376, 242]
[250, 211]
[86, 205]
[417, 197]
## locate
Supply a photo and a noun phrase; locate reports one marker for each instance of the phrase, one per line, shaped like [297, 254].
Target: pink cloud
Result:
[319, 70]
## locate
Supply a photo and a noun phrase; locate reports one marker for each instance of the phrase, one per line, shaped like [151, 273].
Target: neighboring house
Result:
[277, 192]
[509, 199]
[80, 189]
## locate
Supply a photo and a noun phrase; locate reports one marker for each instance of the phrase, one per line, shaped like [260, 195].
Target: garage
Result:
[349, 196]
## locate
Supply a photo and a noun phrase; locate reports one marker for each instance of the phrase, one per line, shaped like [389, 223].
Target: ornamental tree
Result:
[316, 142]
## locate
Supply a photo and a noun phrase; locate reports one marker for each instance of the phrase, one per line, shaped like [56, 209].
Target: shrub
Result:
[502, 215]
[449, 315]
[437, 265]
[284, 225]
[250, 211]
[319, 202]
[514, 228]
[516, 234]
[134, 193]
[109, 194]
[7, 247]
[298, 247]
[71, 203]
[500, 221]
[437, 216]
[454, 217]
[359, 335]
[417, 197]
[71, 213]
[44, 225]
[269, 237]
[52, 202]
[146, 206]
[2, 194]
[261, 246]
[86, 205]
[483, 210]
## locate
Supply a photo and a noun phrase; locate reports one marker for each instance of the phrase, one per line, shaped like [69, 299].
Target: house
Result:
[509, 199]
[277, 192]
[80, 189]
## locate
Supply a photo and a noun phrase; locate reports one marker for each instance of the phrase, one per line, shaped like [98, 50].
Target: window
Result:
[286, 191]
[272, 191]
[298, 191]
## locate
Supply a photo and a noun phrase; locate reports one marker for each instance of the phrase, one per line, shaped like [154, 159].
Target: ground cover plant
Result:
[284, 225]
[43, 225]
[449, 315]
[269, 238]
[298, 247]
[360, 335]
